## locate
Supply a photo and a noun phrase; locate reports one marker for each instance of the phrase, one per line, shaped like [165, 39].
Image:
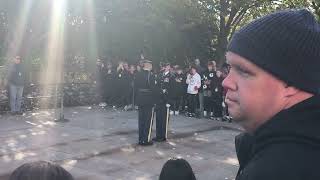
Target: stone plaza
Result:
[101, 143]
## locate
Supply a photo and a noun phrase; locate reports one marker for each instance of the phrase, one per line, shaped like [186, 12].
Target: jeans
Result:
[15, 97]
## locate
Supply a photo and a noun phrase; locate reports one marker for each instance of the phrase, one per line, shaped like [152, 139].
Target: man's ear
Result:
[290, 91]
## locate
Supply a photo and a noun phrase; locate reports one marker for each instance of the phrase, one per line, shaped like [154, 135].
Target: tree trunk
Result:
[223, 35]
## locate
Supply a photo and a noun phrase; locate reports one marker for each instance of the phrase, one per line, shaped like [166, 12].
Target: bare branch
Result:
[236, 25]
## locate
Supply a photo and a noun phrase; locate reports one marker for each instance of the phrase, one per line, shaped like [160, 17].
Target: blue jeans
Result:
[15, 97]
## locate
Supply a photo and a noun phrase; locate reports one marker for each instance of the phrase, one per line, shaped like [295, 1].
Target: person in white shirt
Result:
[194, 83]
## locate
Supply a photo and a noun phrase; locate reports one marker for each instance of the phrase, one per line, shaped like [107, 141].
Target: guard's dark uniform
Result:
[162, 108]
[145, 85]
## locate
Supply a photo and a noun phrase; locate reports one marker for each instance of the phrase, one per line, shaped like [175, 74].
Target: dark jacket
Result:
[178, 88]
[207, 75]
[109, 79]
[216, 86]
[123, 81]
[287, 147]
[145, 86]
[17, 75]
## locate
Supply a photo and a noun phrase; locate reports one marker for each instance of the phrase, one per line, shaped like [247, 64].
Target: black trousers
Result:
[217, 106]
[192, 103]
[208, 104]
[146, 116]
[163, 115]
[125, 97]
[226, 108]
[176, 103]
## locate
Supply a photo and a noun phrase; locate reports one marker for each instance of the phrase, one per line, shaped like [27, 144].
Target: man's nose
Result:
[228, 83]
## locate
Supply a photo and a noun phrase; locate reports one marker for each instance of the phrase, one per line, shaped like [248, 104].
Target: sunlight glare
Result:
[52, 75]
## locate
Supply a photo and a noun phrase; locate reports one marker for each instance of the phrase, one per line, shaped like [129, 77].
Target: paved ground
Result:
[100, 144]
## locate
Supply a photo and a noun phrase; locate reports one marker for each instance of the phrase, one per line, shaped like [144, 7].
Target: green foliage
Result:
[315, 4]
[170, 30]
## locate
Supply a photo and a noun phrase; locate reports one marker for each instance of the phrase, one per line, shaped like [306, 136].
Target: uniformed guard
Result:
[145, 86]
[163, 107]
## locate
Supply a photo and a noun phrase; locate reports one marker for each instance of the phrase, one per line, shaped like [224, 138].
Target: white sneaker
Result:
[171, 112]
[205, 113]
[176, 112]
[102, 104]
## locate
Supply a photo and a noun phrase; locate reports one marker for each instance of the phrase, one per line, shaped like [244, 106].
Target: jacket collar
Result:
[300, 123]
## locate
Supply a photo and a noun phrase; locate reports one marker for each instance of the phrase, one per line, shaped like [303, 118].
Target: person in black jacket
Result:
[132, 76]
[206, 77]
[109, 80]
[145, 84]
[16, 82]
[217, 95]
[177, 90]
[275, 96]
[123, 85]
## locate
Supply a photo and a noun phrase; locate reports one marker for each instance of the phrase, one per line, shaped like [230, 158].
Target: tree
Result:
[316, 6]
[230, 15]
[227, 15]
[165, 30]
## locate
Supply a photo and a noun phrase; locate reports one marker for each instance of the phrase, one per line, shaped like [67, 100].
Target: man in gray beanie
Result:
[273, 92]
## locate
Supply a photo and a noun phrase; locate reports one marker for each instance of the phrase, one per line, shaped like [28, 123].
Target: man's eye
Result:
[243, 71]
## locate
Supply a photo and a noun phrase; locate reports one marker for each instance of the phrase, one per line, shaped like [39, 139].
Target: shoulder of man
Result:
[282, 161]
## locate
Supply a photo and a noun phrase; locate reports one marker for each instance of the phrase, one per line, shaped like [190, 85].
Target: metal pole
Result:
[133, 105]
[61, 116]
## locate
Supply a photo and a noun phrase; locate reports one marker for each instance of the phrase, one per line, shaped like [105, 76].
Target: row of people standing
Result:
[115, 84]
[196, 91]
[117, 87]
[166, 92]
